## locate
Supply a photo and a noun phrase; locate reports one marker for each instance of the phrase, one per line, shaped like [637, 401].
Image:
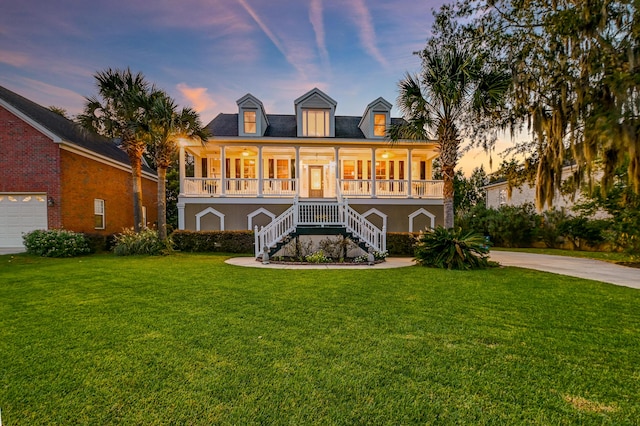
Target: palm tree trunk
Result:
[162, 202]
[448, 192]
[449, 158]
[136, 173]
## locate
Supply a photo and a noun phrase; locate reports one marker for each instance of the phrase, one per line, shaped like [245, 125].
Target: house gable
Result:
[315, 114]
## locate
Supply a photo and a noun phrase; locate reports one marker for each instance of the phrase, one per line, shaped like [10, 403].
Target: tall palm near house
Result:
[118, 112]
[451, 89]
[167, 126]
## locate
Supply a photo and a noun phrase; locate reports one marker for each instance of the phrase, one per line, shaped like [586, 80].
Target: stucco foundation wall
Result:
[84, 180]
[29, 162]
[236, 215]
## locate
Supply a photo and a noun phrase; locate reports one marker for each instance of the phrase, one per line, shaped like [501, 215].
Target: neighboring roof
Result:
[66, 130]
[284, 126]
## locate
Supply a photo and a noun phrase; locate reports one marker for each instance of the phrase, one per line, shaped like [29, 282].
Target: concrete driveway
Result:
[590, 269]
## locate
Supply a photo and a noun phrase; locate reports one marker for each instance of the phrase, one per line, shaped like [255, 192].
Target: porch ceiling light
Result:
[245, 153]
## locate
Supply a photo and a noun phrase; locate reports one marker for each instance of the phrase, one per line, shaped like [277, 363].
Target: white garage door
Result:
[21, 213]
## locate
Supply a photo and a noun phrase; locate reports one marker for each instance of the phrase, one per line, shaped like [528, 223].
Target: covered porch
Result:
[266, 170]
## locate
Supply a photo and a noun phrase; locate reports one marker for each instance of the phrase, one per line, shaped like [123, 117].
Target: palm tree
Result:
[117, 113]
[452, 89]
[167, 126]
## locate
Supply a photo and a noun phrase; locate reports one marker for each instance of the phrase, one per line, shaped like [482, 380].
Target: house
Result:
[53, 174]
[497, 193]
[313, 169]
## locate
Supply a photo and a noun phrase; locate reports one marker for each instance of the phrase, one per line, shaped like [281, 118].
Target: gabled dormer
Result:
[252, 120]
[315, 115]
[376, 119]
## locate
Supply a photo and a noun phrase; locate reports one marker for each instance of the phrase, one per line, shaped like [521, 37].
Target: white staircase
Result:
[319, 214]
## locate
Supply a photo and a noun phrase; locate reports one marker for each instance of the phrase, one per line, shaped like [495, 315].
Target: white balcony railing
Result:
[279, 187]
[350, 188]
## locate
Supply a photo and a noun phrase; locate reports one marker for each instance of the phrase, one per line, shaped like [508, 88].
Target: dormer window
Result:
[250, 122]
[376, 119]
[315, 115]
[380, 124]
[315, 122]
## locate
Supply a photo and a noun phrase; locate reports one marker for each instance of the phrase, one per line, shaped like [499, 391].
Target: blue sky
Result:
[209, 53]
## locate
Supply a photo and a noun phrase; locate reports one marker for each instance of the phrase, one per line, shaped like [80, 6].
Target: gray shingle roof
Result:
[66, 129]
[284, 126]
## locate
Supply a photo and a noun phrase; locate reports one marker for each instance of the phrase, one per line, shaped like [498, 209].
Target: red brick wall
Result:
[29, 162]
[84, 180]
[32, 162]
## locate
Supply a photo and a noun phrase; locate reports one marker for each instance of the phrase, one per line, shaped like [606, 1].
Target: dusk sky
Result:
[209, 53]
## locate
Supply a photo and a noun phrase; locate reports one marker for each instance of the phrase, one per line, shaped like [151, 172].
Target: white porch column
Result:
[182, 171]
[180, 216]
[373, 173]
[298, 171]
[223, 171]
[260, 172]
[409, 195]
[336, 151]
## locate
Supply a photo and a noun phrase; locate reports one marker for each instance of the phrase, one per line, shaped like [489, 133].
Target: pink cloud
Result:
[198, 97]
[15, 59]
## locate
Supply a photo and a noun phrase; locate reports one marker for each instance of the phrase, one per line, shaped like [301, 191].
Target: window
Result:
[315, 122]
[381, 170]
[379, 125]
[98, 214]
[144, 216]
[348, 169]
[250, 122]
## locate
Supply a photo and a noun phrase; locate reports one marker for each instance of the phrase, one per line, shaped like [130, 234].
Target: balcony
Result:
[288, 188]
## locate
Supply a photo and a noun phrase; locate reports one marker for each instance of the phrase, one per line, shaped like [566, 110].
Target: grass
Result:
[188, 339]
[613, 257]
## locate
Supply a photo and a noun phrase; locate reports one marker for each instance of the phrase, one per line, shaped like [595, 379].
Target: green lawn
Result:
[187, 339]
[608, 256]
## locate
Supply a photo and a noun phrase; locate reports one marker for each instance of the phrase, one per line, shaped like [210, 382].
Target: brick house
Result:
[53, 174]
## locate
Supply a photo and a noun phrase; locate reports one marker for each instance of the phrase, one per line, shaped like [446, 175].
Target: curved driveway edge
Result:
[590, 269]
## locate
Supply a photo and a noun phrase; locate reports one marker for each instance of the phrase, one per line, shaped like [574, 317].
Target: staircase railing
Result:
[281, 226]
[319, 214]
[364, 230]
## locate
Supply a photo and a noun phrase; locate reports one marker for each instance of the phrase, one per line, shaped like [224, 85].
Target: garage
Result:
[20, 213]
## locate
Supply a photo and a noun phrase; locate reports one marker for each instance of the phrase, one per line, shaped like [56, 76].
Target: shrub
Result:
[337, 247]
[581, 230]
[551, 225]
[508, 226]
[55, 243]
[146, 241]
[451, 249]
[317, 257]
[214, 241]
[400, 243]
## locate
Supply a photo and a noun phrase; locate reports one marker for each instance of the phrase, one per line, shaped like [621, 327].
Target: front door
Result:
[316, 182]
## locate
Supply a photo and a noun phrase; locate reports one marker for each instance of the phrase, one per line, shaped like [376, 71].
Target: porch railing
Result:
[352, 188]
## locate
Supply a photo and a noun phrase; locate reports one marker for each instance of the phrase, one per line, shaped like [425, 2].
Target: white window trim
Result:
[99, 202]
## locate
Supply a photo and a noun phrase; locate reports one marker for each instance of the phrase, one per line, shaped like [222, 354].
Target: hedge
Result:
[214, 241]
[398, 243]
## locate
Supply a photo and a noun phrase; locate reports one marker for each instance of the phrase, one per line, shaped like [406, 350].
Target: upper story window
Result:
[252, 119]
[250, 122]
[379, 124]
[315, 122]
